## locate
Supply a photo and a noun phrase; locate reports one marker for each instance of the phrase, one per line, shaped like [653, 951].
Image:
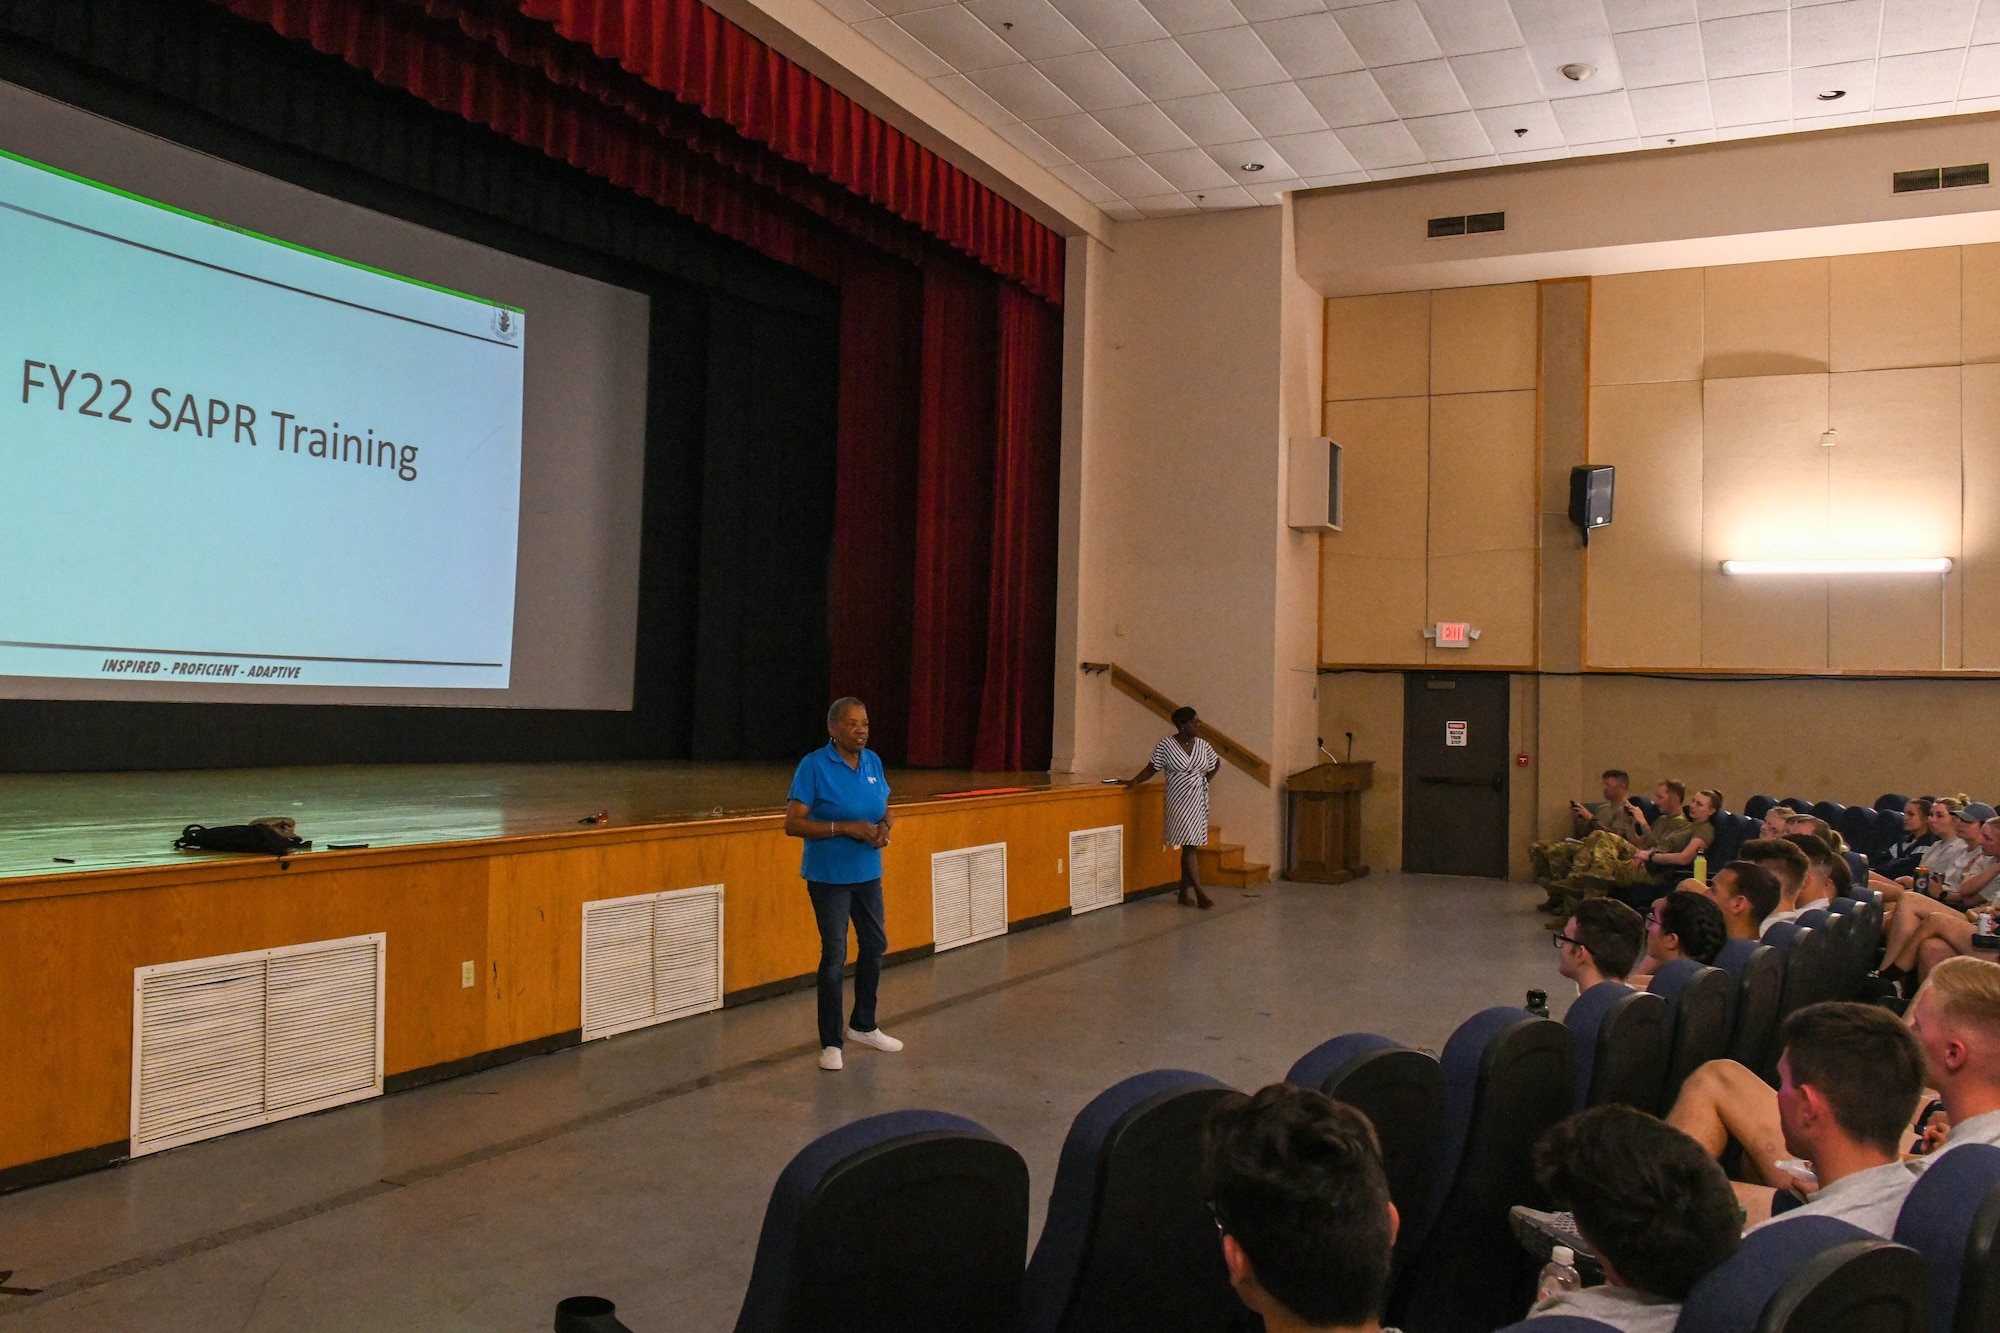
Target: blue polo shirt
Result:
[832, 791]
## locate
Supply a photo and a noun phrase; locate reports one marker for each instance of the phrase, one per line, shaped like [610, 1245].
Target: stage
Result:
[55, 823]
[471, 893]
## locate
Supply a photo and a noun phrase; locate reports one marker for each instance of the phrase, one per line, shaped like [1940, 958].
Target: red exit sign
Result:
[1454, 634]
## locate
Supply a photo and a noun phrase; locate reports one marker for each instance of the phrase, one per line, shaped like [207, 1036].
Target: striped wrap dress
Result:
[1187, 774]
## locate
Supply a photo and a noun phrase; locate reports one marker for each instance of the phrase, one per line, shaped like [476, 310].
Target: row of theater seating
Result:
[1868, 829]
[917, 1221]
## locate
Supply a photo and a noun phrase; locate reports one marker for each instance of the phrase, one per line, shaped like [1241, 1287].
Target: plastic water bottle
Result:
[1700, 868]
[1559, 1274]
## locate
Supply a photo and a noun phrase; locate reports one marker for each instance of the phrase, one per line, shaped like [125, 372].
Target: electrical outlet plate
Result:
[465, 974]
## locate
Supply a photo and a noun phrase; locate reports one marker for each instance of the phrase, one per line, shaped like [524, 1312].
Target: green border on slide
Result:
[254, 235]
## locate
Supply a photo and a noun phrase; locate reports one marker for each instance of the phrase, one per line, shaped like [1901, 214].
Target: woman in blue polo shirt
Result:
[839, 805]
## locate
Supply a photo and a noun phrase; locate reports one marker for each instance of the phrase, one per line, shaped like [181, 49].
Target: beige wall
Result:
[1370, 704]
[1709, 392]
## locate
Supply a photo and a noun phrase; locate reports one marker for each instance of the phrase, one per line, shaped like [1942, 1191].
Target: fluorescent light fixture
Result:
[1928, 565]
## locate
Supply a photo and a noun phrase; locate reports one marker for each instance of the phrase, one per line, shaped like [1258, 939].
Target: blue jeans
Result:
[833, 906]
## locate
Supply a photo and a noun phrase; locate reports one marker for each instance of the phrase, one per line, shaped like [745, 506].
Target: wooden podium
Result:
[1323, 822]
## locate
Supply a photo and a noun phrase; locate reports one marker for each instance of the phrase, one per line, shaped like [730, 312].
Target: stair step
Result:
[1242, 877]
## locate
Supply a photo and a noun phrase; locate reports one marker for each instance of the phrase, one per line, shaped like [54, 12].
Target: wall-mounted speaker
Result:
[1590, 498]
[1313, 492]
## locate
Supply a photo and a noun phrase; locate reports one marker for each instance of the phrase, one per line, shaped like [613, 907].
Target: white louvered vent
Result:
[1096, 868]
[968, 895]
[650, 958]
[220, 1044]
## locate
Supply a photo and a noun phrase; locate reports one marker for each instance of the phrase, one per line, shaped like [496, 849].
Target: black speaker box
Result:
[1590, 498]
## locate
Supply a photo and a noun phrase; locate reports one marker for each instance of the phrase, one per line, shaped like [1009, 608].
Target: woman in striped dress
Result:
[1189, 763]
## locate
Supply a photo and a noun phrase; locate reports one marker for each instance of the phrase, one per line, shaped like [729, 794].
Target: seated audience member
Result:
[1947, 854]
[1788, 865]
[1600, 942]
[1850, 1075]
[1747, 893]
[1685, 924]
[1296, 1184]
[1924, 930]
[1614, 814]
[1774, 821]
[1817, 889]
[1669, 846]
[1956, 1019]
[1902, 855]
[1657, 1210]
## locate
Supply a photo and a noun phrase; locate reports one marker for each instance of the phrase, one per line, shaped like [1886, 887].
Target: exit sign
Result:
[1453, 634]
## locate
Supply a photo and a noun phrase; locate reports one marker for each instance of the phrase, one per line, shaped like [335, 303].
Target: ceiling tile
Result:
[1753, 99]
[1039, 29]
[1164, 205]
[1426, 88]
[1229, 196]
[1910, 26]
[1189, 169]
[1111, 22]
[1310, 45]
[1179, 16]
[1390, 33]
[1657, 56]
[1753, 44]
[1091, 81]
[1444, 138]
[1377, 147]
[1678, 140]
[911, 53]
[1536, 155]
[1599, 51]
[1723, 9]
[894, 7]
[1161, 69]
[1920, 112]
[853, 11]
[1982, 73]
[1233, 157]
[1467, 27]
[1338, 178]
[1398, 172]
[974, 99]
[1084, 183]
[1269, 194]
[1144, 129]
[1676, 108]
[1904, 81]
[1832, 33]
[1468, 163]
[1259, 11]
[1122, 211]
[1497, 78]
[1631, 15]
[1209, 119]
[1544, 22]
[1233, 57]
[1589, 120]
[1348, 99]
[1986, 28]
[1038, 149]
[1856, 79]
[955, 35]
[1132, 178]
[1025, 91]
[1317, 154]
[1277, 108]
[1081, 137]
[1537, 118]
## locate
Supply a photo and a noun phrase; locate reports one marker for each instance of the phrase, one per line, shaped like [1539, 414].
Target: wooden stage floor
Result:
[52, 823]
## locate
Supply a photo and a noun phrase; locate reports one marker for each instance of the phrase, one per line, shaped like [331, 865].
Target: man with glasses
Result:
[1601, 941]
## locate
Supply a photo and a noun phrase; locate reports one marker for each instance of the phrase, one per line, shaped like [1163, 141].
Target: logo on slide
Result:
[506, 324]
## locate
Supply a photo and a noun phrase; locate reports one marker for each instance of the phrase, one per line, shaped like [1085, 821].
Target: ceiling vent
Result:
[1941, 178]
[1468, 225]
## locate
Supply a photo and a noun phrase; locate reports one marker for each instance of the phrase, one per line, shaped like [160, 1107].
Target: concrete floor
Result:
[637, 1168]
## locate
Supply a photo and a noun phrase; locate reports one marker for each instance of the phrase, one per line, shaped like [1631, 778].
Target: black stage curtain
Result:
[732, 654]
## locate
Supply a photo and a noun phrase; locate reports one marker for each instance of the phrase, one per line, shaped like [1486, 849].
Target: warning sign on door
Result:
[1454, 734]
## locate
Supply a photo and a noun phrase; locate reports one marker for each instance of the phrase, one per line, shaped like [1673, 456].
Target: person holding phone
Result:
[1615, 814]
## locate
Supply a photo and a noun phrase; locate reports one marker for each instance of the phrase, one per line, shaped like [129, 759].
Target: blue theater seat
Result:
[1401, 1091]
[909, 1222]
[1758, 806]
[1892, 803]
[1703, 1003]
[1797, 805]
[1952, 1218]
[1507, 1078]
[1623, 1039]
[1810, 1275]
[1759, 973]
[1129, 1245]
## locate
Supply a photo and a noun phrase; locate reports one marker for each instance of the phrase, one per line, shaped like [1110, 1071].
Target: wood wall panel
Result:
[1644, 571]
[1483, 525]
[1372, 573]
[69, 944]
[1765, 319]
[1979, 582]
[1646, 327]
[1373, 611]
[1483, 339]
[1378, 346]
[1979, 295]
[1897, 308]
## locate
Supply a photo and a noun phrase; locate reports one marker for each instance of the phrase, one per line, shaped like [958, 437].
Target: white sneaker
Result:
[875, 1037]
[829, 1058]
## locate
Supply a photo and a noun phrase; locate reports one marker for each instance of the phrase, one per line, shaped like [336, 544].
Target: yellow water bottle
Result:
[1700, 868]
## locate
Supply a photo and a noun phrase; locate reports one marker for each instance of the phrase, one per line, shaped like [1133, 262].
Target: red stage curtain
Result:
[954, 512]
[1016, 710]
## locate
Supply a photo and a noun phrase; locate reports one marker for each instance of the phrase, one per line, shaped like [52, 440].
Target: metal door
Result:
[1455, 773]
